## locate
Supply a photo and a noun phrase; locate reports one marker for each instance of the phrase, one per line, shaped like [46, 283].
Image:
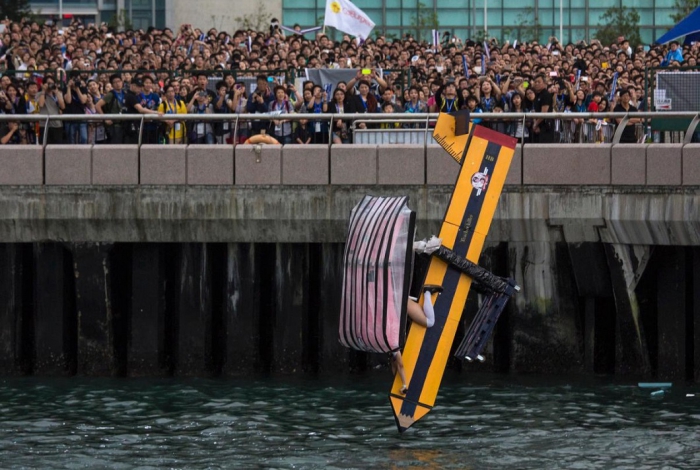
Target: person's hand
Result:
[12, 126]
[108, 123]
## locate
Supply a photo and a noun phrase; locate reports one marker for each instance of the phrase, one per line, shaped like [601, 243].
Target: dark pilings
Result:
[15, 309]
[149, 331]
[242, 310]
[194, 348]
[97, 348]
[589, 334]
[671, 303]
[333, 357]
[55, 318]
[291, 322]
[695, 318]
[631, 354]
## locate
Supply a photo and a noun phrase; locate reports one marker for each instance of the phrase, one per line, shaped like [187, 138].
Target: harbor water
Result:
[479, 422]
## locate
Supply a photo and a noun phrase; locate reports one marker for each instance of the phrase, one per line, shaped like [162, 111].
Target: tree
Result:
[15, 10]
[424, 19]
[120, 21]
[619, 21]
[258, 21]
[528, 29]
[683, 7]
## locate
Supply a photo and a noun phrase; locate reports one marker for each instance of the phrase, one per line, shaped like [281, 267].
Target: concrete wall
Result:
[219, 14]
[564, 164]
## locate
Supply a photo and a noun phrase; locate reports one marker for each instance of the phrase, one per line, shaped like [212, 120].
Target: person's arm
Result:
[380, 80]
[505, 86]
[61, 103]
[68, 96]
[190, 105]
[81, 96]
[143, 110]
[41, 99]
[495, 89]
[12, 129]
[536, 124]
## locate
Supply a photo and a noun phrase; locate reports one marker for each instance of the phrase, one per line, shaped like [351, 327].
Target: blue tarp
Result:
[688, 27]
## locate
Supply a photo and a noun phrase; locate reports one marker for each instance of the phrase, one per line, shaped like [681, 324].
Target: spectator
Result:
[75, 98]
[673, 55]
[222, 129]
[174, 129]
[415, 105]
[9, 132]
[200, 132]
[319, 105]
[238, 104]
[258, 104]
[113, 103]
[149, 100]
[364, 102]
[50, 102]
[133, 105]
[302, 134]
[629, 135]
[543, 129]
[281, 128]
[341, 134]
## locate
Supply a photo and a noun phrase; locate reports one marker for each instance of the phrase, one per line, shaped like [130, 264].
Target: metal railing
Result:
[424, 121]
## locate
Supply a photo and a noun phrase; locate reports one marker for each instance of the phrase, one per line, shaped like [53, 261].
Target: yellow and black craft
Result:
[485, 156]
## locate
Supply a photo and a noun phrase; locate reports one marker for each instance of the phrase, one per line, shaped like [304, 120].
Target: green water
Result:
[483, 422]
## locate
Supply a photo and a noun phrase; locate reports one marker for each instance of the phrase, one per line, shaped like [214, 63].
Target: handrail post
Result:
[691, 129]
[44, 143]
[139, 147]
[235, 131]
[620, 129]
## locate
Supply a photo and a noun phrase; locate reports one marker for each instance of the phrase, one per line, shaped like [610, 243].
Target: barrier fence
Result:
[385, 128]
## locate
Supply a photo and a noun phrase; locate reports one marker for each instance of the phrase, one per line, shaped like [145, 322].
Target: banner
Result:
[329, 78]
[344, 16]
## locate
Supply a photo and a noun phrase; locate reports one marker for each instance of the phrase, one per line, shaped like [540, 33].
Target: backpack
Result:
[113, 106]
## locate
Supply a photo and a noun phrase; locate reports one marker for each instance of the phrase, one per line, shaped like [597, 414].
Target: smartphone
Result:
[553, 74]
[366, 72]
[108, 35]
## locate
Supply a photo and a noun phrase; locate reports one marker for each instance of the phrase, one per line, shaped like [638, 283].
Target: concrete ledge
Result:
[400, 164]
[265, 168]
[354, 164]
[68, 164]
[115, 164]
[210, 164]
[628, 164]
[664, 164]
[691, 165]
[568, 164]
[163, 164]
[515, 173]
[21, 164]
[305, 164]
[442, 168]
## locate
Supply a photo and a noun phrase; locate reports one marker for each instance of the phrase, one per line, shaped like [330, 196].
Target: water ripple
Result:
[488, 423]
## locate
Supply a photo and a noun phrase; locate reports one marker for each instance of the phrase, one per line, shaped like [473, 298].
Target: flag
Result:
[613, 88]
[344, 16]
[465, 66]
[436, 39]
[487, 51]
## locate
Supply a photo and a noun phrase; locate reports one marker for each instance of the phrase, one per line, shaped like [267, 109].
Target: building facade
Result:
[136, 13]
[504, 19]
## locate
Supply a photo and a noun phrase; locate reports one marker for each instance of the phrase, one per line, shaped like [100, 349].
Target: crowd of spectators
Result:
[82, 69]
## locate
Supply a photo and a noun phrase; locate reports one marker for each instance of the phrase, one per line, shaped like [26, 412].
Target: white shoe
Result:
[432, 245]
[419, 246]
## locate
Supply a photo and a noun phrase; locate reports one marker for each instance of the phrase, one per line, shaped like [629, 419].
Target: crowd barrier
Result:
[400, 128]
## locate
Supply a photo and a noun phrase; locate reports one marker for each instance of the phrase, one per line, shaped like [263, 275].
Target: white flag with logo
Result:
[344, 16]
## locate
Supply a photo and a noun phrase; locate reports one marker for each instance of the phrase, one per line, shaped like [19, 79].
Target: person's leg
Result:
[415, 312]
[397, 367]
[83, 132]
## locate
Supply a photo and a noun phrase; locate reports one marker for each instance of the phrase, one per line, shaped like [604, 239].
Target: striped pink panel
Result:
[377, 266]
